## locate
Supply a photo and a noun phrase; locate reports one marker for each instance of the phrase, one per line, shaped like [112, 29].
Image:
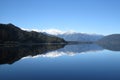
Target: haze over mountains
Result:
[10, 33]
[74, 36]
[70, 35]
[80, 37]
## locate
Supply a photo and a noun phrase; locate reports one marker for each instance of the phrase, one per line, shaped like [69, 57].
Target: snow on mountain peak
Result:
[70, 35]
[53, 31]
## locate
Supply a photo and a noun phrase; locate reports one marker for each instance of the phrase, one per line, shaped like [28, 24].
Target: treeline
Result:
[11, 34]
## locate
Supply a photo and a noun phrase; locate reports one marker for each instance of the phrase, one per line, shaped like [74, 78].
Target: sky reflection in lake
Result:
[86, 62]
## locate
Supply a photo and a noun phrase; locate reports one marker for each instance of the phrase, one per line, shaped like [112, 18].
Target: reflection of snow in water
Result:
[52, 54]
[71, 50]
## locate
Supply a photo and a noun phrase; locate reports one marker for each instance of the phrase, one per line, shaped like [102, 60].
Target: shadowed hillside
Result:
[10, 34]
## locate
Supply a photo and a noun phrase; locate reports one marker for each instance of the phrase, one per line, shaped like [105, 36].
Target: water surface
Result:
[59, 62]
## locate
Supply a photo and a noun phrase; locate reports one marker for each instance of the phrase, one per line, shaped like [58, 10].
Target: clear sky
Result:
[88, 16]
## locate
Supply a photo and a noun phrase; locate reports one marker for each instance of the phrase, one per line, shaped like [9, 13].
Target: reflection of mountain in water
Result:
[9, 55]
[111, 42]
[112, 47]
[80, 48]
[73, 49]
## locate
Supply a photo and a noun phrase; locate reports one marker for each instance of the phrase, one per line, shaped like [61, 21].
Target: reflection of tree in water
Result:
[9, 55]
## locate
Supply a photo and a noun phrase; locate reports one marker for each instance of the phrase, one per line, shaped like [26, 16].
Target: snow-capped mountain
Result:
[73, 36]
[69, 35]
[80, 37]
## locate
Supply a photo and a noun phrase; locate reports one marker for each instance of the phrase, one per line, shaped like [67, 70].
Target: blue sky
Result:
[88, 16]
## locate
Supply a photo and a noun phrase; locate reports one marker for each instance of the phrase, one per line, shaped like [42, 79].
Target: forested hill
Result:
[10, 34]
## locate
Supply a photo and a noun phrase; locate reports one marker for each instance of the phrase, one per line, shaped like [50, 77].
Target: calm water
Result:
[60, 62]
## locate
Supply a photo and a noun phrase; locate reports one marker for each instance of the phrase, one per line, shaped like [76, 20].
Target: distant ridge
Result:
[82, 37]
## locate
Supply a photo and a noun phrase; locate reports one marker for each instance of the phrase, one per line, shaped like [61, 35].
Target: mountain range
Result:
[11, 34]
[80, 37]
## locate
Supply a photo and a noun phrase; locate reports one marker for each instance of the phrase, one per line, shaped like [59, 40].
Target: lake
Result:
[60, 62]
